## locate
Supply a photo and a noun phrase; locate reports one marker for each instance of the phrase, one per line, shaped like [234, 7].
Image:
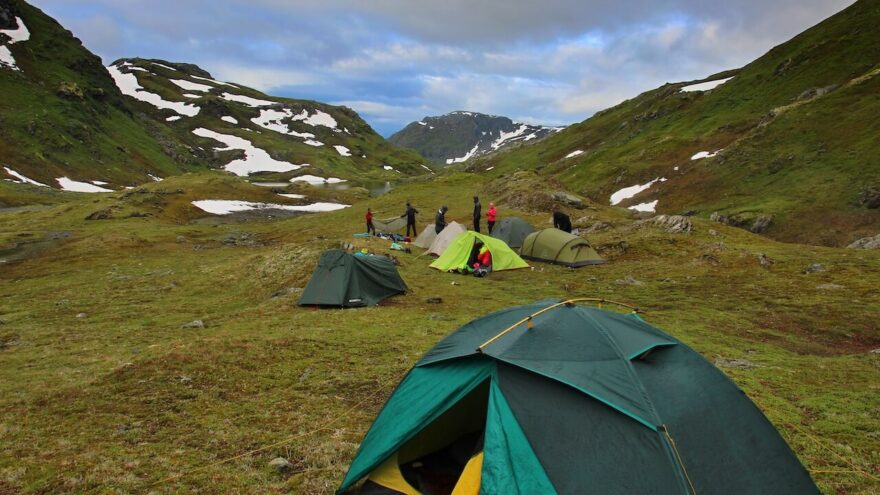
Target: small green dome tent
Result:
[345, 280]
[512, 230]
[561, 248]
[459, 251]
[557, 398]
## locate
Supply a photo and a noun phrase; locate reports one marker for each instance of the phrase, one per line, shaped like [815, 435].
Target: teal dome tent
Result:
[553, 397]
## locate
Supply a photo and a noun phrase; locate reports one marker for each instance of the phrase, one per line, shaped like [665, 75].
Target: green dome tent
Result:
[512, 230]
[342, 279]
[458, 253]
[561, 248]
[556, 398]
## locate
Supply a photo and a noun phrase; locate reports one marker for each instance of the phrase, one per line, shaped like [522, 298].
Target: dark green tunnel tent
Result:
[558, 398]
[346, 280]
[561, 248]
[512, 230]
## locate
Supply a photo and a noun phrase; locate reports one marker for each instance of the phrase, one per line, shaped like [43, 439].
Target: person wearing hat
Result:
[491, 214]
[440, 219]
[478, 212]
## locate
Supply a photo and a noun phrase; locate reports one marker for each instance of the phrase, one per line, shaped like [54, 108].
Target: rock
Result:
[434, 300]
[829, 287]
[61, 302]
[613, 248]
[876, 351]
[718, 217]
[70, 90]
[569, 199]
[765, 260]
[82, 315]
[741, 364]
[815, 268]
[761, 224]
[597, 227]
[194, 324]
[713, 232]
[281, 465]
[102, 214]
[672, 224]
[583, 221]
[870, 197]
[866, 243]
[628, 280]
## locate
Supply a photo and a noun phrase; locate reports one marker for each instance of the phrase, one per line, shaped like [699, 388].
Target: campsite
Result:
[190, 302]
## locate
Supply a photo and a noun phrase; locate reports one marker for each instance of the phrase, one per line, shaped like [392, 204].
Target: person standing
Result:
[410, 219]
[440, 219]
[491, 214]
[369, 218]
[561, 221]
[478, 212]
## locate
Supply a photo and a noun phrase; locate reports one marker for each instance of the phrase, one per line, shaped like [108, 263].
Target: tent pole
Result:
[570, 302]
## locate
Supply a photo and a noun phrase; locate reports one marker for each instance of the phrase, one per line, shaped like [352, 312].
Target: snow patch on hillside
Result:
[319, 118]
[315, 180]
[22, 179]
[213, 81]
[506, 136]
[75, 186]
[704, 154]
[255, 160]
[230, 119]
[342, 150]
[247, 100]
[292, 195]
[706, 86]
[628, 192]
[648, 207]
[128, 85]
[191, 86]
[574, 153]
[464, 158]
[173, 118]
[16, 35]
[272, 119]
[157, 64]
[225, 206]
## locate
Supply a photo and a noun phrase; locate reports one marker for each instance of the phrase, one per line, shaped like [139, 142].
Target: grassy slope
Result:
[826, 141]
[45, 135]
[124, 398]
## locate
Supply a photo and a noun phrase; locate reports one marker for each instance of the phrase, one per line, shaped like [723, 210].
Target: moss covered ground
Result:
[102, 390]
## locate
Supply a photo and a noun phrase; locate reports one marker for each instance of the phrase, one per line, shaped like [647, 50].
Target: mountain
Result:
[459, 136]
[786, 145]
[67, 121]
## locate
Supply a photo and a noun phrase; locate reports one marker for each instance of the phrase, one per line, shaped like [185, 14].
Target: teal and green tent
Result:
[346, 280]
[559, 247]
[512, 230]
[554, 397]
[458, 253]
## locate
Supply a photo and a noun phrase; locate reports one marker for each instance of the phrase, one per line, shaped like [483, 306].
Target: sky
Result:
[549, 62]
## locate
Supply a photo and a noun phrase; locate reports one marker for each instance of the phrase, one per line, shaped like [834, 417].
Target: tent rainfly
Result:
[446, 236]
[561, 248]
[458, 254]
[427, 237]
[513, 231]
[389, 225]
[554, 398]
[345, 280]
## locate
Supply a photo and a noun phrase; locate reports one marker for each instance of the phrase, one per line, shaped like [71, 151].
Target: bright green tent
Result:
[342, 279]
[512, 230]
[561, 248]
[558, 398]
[459, 251]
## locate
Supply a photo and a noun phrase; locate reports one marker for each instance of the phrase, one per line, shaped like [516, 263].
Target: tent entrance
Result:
[445, 458]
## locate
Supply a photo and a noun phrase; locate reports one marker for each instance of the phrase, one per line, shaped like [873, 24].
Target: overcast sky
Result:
[549, 62]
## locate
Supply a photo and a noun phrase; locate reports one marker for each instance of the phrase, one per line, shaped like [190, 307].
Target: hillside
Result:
[68, 122]
[460, 136]
[786, 146]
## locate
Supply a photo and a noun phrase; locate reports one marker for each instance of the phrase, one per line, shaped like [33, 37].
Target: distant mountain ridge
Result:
[460, 136]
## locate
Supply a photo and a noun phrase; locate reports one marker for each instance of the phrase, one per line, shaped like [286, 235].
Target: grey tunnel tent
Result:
[342, 279]
[558, 247]
[553, 397]
[512, 230]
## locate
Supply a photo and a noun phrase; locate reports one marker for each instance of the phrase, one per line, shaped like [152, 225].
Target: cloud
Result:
[553, 62]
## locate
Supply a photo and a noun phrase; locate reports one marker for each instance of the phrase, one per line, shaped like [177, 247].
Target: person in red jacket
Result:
[484, 262]
[369, 218]
[490, 216]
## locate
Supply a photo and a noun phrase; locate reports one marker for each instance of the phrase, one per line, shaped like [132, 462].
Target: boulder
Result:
[673, 224]
[194, 324]
[761, 224]
[866, 243]
[870, 197]
[815, 268]
[765, 260]
[281, 465]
